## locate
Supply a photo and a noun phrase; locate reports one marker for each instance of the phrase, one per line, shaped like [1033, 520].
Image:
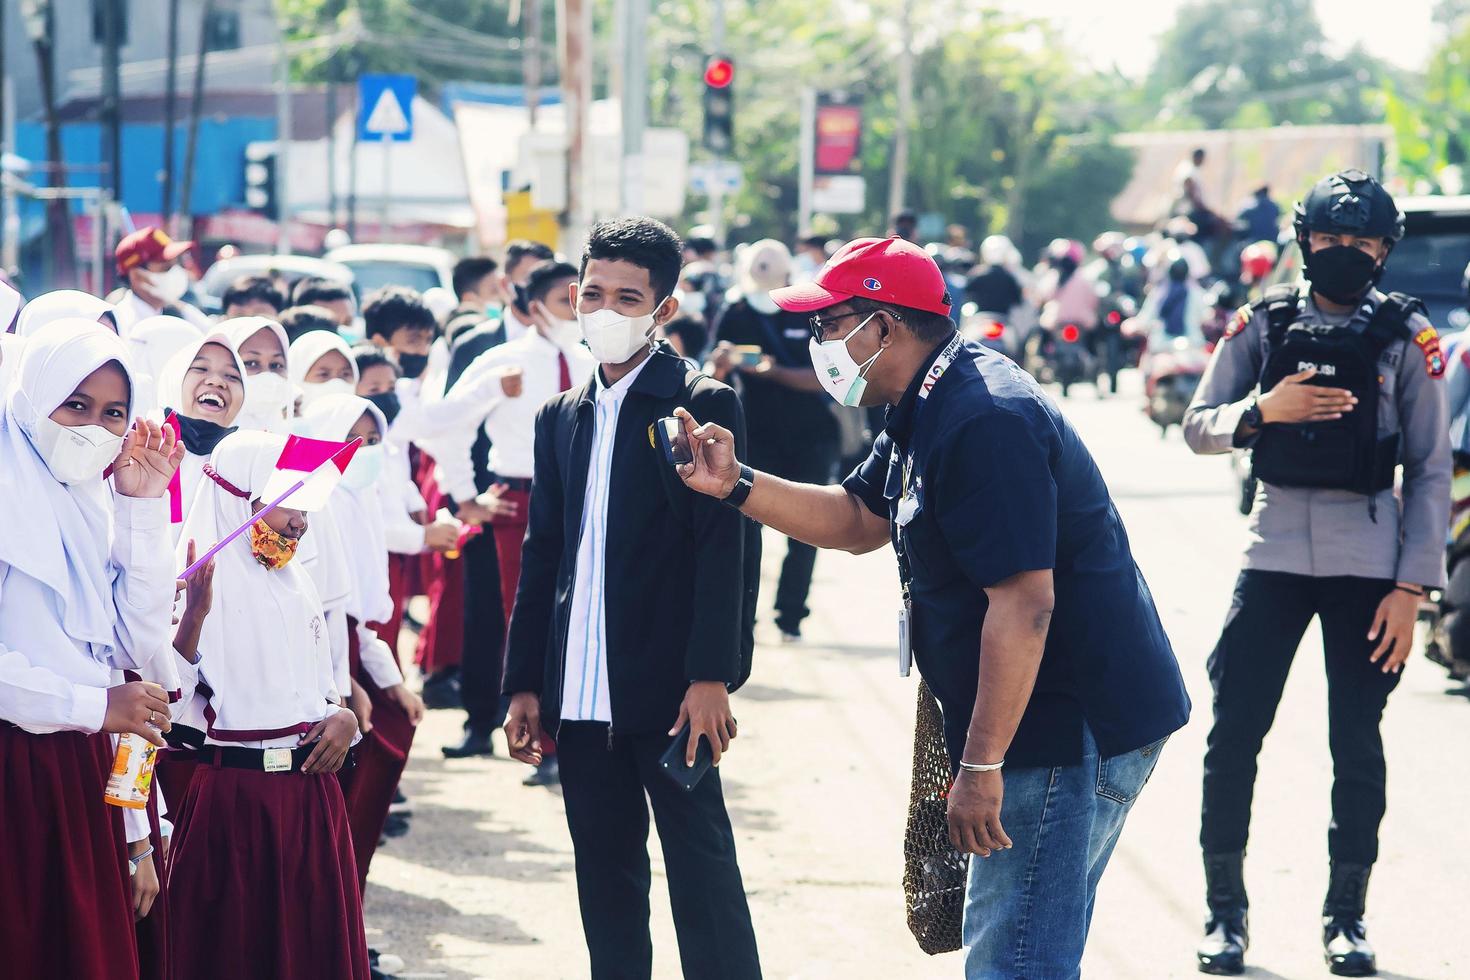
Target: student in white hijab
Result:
[262, 347]
[264, 818]
[64, 304]
[321, 363]
[396, 711]
[86, 585]
[152, 343]
[204, 386]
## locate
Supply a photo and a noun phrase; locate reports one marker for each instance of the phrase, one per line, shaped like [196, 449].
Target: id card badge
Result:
[905, 648]
[276, 760]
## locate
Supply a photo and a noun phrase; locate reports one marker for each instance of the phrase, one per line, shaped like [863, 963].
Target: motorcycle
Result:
[1446, 612]
[989, 329]
[1110, 346]
[1173, 375]
[1060, 356]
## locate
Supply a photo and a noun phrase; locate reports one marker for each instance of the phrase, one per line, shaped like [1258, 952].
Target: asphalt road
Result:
[817, 787]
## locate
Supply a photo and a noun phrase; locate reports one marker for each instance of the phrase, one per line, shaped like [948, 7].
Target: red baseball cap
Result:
[147, 245]
[889, 270]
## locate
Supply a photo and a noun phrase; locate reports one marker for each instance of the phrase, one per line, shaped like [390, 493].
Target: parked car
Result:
[420, 267]
[217, 278]
[1429, 263]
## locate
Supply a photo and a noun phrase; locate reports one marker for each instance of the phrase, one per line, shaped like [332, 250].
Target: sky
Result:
[1125, 32]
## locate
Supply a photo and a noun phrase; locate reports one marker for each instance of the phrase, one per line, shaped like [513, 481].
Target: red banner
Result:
[839, 133]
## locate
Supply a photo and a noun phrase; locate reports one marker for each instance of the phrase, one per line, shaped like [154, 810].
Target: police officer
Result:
[1333, 392]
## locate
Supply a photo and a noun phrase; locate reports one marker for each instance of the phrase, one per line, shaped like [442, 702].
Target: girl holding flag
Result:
[396, 711]
[86, 584]
[262, 861]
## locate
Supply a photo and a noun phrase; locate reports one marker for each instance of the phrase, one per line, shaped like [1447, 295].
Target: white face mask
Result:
[614, 338]
[312, 390]
[762, 303]
[363, 471]
[168, 286]
[75, 454]
[839, 374]
[565, 333]
[692, 302]
[267, 397]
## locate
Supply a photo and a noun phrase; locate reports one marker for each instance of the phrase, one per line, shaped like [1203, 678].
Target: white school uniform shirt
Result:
[509, 422]
[584, 693]
[399, 500]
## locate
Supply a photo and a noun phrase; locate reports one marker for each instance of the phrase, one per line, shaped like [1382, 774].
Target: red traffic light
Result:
[719, 73]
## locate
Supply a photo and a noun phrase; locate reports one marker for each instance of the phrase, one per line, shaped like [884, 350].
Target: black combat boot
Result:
[1222, 951]
[1344, 938]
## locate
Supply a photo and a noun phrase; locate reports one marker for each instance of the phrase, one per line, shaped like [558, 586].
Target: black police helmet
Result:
[1349, 203]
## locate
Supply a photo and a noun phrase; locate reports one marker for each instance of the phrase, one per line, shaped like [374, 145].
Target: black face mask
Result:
[1341, 273]
[413, 364]
[201, 436]
[387, 403]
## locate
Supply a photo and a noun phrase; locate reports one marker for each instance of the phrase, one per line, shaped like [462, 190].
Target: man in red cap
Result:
[1021, 602]
[149, 260]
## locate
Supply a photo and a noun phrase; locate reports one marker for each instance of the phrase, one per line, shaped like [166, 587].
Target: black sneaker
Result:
[474, 743]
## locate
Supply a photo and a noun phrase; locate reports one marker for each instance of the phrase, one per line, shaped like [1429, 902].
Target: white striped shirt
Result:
[584, 693]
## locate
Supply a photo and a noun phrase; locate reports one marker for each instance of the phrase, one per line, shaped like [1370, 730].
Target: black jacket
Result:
[674, 593]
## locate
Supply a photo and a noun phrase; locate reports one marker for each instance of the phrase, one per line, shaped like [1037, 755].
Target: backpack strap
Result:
[1282, 303]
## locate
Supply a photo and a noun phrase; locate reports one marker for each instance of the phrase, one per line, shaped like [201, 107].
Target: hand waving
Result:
[149, 459]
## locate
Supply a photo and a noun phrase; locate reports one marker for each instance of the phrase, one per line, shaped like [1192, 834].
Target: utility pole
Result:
[717, 189]
[40, 27]
[634, 103]
[283, 142]
[332, 142]
[111, 124]
[170, 112]
[196, 109]
[807, 167]
[898, 172]
[575, 23]
[531, 60]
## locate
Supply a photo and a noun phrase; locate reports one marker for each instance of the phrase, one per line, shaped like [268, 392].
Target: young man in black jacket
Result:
[627, 623]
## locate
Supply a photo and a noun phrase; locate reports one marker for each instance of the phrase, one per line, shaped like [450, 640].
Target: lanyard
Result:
[942, 363]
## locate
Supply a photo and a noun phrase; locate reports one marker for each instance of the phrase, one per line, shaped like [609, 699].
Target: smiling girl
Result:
[204, 385]
[86, 582]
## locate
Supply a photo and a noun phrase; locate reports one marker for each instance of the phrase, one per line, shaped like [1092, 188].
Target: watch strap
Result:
[743, 486]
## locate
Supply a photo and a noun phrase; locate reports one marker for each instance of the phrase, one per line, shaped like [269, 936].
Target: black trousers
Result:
[1268, 617]
[607, 790]
[483, 660]
[809, 462]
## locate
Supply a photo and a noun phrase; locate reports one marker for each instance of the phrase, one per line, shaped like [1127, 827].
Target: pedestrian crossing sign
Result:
[385, 108]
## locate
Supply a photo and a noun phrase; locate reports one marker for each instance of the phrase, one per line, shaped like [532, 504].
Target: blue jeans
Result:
[1028, 909]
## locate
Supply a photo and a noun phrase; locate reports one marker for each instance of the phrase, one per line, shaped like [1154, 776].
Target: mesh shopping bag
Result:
[934, 873]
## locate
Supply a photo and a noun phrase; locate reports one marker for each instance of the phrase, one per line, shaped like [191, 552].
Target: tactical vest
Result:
[1345, 453]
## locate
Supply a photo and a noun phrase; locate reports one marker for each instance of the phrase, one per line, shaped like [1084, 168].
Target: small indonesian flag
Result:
[317, 464]
[175, 485]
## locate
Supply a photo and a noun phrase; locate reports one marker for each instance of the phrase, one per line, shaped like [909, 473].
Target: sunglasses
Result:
[819, 326]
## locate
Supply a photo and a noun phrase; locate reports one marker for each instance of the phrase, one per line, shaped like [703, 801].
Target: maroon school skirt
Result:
[152, 932]
[262, 881]
[66, 904]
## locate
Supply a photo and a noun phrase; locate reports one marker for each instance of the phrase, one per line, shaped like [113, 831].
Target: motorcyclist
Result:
[1175, 309]
[1066, 294]
[993, 287]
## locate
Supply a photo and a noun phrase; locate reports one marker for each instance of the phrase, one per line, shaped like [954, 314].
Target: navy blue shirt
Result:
[1002, 484]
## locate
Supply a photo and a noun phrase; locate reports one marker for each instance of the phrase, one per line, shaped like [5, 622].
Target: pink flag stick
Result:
[259, 514]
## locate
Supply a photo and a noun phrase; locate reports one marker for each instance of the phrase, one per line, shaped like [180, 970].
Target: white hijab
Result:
[59, 534]
[268, 418]
[152, 343]
[358, 513]
[60, 304]
[264, 640]
[309, 348]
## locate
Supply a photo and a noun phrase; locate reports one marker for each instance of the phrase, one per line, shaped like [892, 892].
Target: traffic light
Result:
[260, 179]
[719, 106]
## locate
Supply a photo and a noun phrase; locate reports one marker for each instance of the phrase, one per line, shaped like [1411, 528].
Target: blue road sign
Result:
[385, 108]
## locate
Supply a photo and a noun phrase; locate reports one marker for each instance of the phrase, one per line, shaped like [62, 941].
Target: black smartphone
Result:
[673, 440]
[672, 762]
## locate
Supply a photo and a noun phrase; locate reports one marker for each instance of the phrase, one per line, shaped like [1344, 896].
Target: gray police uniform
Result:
[1336, 532]
[1324, 553]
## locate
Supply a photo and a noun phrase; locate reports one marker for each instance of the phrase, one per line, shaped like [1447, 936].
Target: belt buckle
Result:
[276, 760]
